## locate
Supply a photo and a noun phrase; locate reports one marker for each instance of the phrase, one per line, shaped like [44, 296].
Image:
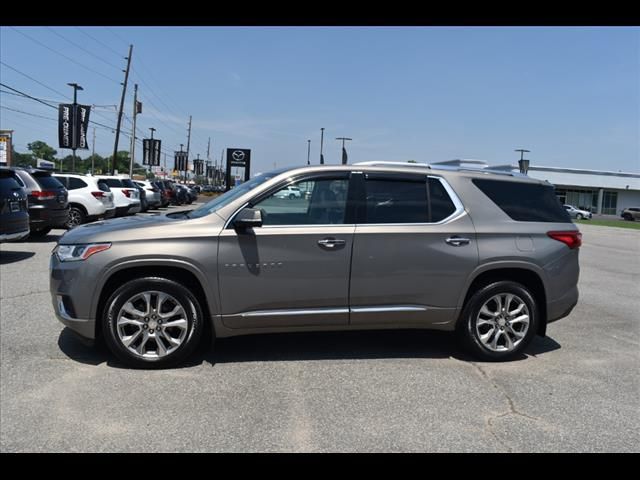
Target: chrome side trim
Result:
[397, 308]
[315, 311]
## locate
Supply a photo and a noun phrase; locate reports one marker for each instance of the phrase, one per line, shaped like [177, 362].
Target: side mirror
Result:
[248, 218]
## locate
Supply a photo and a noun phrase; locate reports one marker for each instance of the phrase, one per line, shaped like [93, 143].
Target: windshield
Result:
[228, 197]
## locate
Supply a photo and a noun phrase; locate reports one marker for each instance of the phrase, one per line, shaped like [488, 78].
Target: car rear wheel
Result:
[499, 321]
[152, 323]
[627, 216]
[76, 217]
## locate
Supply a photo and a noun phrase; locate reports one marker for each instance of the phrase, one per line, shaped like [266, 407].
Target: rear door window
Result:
[75, 183]
[524, 202]
[396, 201]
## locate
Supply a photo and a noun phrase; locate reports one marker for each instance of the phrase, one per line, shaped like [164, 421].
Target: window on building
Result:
[609, 202]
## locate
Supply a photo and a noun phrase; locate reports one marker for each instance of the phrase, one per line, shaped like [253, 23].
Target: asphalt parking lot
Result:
[577, 390]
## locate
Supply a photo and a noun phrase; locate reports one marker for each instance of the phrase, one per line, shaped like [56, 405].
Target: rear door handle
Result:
[456, 241]
[331, 243]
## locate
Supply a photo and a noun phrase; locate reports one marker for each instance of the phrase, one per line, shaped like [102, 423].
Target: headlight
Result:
[73, 253]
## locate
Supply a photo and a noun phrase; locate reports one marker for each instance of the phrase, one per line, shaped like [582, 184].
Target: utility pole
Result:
[321, 141]
[76, 87]
[181, 145]
[133, 136]
[222, 163]
[344, 152]
[124, 92]
[188, 143]
[308, 152]
[208, 161]
[93, 150]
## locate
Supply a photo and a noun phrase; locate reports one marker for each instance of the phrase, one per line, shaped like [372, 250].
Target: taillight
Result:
[127, 192]
[571, 238]
[44, 195]
[98, 195]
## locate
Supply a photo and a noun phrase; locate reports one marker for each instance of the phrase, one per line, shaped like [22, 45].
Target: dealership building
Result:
[601, 192]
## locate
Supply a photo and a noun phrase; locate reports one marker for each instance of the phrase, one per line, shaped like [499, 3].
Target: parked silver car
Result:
[577, 213]
[492, 256]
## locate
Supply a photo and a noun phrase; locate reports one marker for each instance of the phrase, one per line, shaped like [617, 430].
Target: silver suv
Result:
[492, 256]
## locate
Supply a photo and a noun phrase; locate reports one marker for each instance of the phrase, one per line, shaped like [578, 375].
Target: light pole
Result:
[75, 87]
[523, 163]
[151, 149]
[344, 152]
[308, 152]
[321, 141]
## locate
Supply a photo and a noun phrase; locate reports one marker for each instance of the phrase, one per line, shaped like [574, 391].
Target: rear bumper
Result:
[563, 306]
[41, 218]
[14, 237]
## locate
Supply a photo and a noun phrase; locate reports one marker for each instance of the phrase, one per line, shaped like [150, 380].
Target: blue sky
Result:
[570, 95]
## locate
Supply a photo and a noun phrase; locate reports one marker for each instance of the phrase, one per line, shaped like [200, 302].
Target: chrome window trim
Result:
[457, 213]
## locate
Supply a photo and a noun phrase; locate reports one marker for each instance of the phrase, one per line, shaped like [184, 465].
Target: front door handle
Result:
[457, 241]
[331, 243]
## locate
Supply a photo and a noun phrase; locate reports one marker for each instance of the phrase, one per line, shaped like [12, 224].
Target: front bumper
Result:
[71, 285]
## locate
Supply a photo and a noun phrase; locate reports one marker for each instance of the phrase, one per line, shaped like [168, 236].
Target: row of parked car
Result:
[33, 201]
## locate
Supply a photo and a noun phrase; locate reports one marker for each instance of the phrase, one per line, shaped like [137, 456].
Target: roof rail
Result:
[457, 165]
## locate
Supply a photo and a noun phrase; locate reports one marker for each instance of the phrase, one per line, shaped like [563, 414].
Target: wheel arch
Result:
[178, 273]
[524, 275]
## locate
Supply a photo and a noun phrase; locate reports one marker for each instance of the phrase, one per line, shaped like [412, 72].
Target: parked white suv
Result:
[127, 200]
[154, 198]
[89, 199]
[289, 192]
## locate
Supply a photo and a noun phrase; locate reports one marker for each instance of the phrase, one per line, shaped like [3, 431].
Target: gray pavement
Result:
[578, 390]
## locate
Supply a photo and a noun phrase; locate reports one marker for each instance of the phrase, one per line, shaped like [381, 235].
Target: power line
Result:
[83, 49]
[27, 113]
[64, 56]
[100, 42]
[33, 79]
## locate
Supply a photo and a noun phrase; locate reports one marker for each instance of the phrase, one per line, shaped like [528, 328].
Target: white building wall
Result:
[626, 199]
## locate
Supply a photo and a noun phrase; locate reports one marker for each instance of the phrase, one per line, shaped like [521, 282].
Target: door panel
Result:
[282, 276]
[410, 273]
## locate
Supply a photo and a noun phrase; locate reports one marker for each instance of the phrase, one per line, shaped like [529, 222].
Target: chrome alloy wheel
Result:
[152, 325]
[503, 322]
[75, 218]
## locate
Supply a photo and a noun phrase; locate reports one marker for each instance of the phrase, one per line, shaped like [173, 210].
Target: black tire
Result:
[76, 217]
[40, 233]
[193, 315]
[291, 196]
[627, 216]
[467, 323]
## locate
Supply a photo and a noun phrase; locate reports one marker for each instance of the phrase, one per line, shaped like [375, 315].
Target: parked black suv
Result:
[14, 215]
[48, 200]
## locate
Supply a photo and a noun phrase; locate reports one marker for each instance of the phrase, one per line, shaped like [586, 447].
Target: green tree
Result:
[40, 149]
[22, 159]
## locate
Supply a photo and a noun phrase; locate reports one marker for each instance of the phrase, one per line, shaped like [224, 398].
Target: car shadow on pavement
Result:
[380, 344]
[7, 257]
[362, 345]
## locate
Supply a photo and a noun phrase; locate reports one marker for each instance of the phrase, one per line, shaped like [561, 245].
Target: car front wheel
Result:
[499, 321]
[579, 216]
[152, 323]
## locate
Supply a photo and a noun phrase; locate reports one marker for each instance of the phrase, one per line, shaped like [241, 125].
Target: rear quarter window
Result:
[113, 182]
[47, 181]
[8, 183]
[524, 202]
